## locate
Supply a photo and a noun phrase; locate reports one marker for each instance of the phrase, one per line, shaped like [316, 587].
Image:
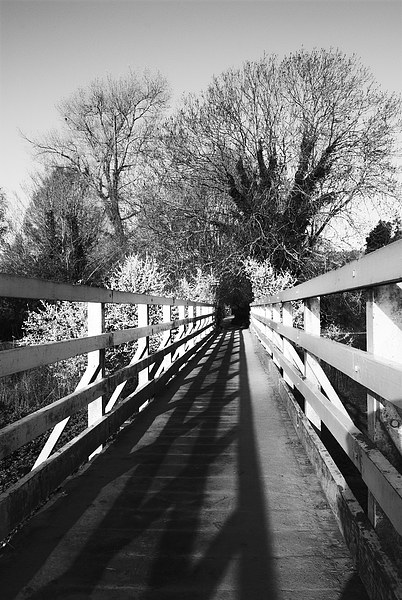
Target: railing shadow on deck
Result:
[244, 535]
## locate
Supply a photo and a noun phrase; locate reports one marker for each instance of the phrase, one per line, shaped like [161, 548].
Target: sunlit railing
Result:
[300, 354]
[183, 329]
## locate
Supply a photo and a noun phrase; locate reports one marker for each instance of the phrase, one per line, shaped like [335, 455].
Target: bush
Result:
[54, 322]
[265, 281]
[141, 276]
[201, 287]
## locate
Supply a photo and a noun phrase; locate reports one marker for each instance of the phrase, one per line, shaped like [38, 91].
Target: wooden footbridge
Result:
[202, 471]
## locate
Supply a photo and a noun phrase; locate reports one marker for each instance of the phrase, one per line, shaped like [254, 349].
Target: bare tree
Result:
[108, 132]
[291, 144]
[4, 220]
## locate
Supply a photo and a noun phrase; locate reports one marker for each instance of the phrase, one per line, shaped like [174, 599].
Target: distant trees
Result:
[108, 135]
[62, 232]
[4, 221]
[285, 146]
[384, 233]
[178, 223]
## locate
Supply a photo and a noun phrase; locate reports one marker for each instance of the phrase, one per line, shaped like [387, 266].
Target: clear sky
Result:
[50, 48]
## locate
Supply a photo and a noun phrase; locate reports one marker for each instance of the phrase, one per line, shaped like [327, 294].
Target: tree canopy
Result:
[249, 172]
[108, 136]
[384, 233]
[63, 236]
[281, 147]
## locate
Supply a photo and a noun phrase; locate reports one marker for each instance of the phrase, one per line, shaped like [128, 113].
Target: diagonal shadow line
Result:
[176, 419]
[257, 571]
[244, 534]
[71, 512]
[354, 589]
[162, 576]
[223, 548]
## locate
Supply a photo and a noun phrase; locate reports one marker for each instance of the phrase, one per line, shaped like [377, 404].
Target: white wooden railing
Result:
[300, 353]
[194, 325]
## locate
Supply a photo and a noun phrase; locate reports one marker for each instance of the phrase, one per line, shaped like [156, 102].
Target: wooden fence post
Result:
[167, 336]
[207, 320]
[267, 313]
[166, 340]
[96, 360]
[94, 370]
[311, 325]
[192, 327]
[181, 333]
[276, 338]
[384, 339]
[287, 321]
[143, 343]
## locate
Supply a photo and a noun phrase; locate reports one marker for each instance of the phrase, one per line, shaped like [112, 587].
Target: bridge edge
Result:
[376, 570]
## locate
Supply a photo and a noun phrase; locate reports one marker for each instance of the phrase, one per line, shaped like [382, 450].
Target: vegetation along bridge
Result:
[224, 464]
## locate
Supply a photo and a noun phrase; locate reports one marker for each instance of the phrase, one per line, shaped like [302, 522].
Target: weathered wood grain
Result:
[380, 476]
[377, 268]
[381, 376]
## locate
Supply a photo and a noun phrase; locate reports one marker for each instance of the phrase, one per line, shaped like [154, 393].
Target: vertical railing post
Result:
[276, 338]
[312, 326]
[287, 321]
[167, 336]
[182, 331]
[93, 371]
[207, 320]
[200, 323]
[96, 360]
[195, 313]
[191, 314]
[267, 329]
[384, 339]
[143, 343]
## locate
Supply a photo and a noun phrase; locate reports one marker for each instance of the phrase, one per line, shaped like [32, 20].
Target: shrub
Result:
[200, 287]
[265, 281]
[56, 321]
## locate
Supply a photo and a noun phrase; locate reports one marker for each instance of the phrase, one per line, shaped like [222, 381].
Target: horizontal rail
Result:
[24, 358]
[382, 377]
[102, 395]
[18, 501]
[378, 370]
[377, 268]
[13, 286]
[21, 432]
[380, 476]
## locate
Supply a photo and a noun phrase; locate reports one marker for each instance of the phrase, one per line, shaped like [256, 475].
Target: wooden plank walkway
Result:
[206, 495]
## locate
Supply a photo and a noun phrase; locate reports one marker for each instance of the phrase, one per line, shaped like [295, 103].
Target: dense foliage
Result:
[271, 152]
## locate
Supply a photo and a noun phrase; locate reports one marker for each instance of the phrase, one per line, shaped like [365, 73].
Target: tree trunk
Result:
[116, 221]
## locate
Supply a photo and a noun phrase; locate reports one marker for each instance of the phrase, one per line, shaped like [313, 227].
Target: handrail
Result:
[20, 359]
[381, 267]
[13, 286]
[300, 353]
[152, 370]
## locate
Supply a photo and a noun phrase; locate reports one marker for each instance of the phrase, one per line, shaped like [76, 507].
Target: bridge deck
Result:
[207, 495]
